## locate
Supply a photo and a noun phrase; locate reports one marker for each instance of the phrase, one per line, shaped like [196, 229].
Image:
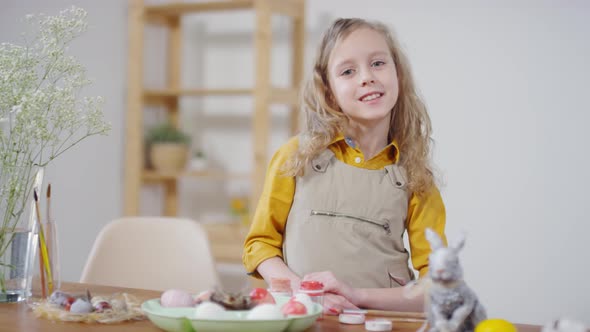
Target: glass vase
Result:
[46, 278]
[18, 230]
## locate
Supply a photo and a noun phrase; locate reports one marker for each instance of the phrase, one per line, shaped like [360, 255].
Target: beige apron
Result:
[350, 221]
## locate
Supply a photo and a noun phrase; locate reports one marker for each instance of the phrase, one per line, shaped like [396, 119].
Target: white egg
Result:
[265, 312]
[306, 300]
[174, 298]
[209, 310]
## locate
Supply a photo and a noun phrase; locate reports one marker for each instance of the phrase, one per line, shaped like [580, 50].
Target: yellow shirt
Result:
[265, 238]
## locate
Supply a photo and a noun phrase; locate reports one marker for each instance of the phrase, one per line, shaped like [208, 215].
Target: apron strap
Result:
[321, 162]
[397, 176]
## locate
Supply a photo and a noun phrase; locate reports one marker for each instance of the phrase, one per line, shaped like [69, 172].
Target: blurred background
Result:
[506, 85]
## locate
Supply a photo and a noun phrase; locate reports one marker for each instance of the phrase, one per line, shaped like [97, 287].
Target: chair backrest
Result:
[156, 253]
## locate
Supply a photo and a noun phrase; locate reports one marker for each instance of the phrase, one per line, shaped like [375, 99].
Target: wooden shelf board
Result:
[167, 93]
[230, 232]
[277, 95]
[292, 8]
[158, 13]
[179, 8]
[152, 175]
[226, 240]
[284, 96]
[227, 253]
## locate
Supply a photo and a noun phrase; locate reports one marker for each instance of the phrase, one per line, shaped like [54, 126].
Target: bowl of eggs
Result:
[178, 311]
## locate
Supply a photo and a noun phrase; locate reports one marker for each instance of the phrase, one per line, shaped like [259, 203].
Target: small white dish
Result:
[353, 319]
[378, 325]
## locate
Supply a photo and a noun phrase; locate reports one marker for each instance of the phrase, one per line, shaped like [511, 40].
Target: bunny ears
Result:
[437, 243]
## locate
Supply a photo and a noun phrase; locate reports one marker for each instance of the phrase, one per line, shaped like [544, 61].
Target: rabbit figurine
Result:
[451, 305]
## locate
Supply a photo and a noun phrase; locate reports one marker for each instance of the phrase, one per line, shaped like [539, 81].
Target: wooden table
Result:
[18, 317]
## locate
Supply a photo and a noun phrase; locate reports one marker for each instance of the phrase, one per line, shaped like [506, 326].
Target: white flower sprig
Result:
[41, 112]
[39, 88]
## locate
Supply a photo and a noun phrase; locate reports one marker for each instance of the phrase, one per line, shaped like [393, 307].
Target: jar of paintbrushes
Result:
[46, 278]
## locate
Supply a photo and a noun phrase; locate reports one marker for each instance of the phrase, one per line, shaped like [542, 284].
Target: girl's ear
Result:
[434, 239]
[459, 243]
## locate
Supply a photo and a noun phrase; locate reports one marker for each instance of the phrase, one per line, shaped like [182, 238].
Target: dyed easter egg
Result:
[265, 312]
[174, 298]
[495, 325]
[261, 296]
[209, 310]
[294, 308]
[306, 300]
[81, 306]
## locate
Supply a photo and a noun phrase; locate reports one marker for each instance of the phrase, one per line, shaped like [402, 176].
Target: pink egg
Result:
[306, 300]
[176, 298]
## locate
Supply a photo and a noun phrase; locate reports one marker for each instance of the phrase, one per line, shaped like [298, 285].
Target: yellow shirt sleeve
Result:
[425, 211]
[265, 238]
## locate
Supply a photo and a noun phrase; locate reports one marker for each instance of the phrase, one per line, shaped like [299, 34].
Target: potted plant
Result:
[168, 148]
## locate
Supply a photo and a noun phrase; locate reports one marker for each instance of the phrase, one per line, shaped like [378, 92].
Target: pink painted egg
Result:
[174, 298]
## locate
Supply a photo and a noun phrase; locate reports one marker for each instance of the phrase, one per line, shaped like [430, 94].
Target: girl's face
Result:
[363, 78]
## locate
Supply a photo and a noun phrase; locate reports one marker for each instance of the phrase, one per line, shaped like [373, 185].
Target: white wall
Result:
[506, 87]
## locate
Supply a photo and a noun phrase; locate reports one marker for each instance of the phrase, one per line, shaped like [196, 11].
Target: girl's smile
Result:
[371, 96]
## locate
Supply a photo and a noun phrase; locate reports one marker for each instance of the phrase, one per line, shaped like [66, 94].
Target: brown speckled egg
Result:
[173, 298]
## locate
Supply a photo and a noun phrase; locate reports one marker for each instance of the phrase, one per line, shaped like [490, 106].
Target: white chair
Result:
[155, 253]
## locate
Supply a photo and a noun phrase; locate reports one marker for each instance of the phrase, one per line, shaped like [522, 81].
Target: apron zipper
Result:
[334, 214]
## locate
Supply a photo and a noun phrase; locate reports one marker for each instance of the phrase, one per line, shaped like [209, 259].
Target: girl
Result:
[339, 196]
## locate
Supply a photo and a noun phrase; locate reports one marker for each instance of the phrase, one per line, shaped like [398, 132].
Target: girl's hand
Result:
[334, 304]
[335, 286]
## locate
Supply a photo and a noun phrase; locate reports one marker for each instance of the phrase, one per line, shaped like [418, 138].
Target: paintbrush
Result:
[50, 237]
[48, 203]
[43, 250]
[41, 271]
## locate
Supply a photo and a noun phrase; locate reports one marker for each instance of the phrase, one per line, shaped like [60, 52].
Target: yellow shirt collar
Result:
[390, 152]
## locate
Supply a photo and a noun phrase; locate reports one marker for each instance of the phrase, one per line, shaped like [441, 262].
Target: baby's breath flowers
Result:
[41, 112]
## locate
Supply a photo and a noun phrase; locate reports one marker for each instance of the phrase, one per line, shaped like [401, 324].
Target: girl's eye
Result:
[346, 72]
[378, 63]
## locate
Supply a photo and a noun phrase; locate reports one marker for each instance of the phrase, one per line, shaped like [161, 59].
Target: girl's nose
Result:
[367, 81]
[367, 76]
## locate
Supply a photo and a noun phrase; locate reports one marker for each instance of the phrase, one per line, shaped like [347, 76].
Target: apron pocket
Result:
[399, 274]
[381, 224]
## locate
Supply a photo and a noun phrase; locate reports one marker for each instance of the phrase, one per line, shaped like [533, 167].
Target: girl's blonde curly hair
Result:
[410, 124]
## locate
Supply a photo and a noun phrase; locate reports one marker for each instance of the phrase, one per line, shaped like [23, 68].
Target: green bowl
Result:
[168, 319]
[183, 320]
